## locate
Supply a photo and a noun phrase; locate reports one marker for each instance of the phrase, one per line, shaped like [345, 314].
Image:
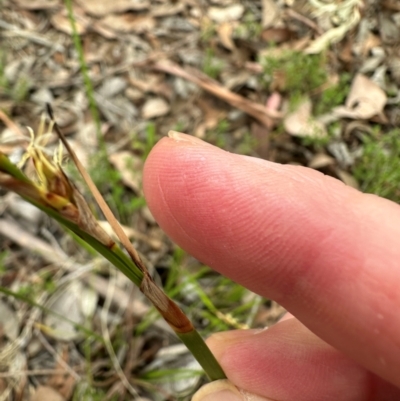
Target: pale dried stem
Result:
[103, 205]
[11, 125]
[256, 110]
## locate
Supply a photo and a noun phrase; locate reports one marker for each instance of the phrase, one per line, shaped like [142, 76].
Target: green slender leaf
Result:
[202, 353]
[10, 168]
[119, 259]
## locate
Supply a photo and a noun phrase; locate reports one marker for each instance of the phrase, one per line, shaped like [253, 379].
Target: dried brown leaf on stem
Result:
[100, 201]
[169, 310]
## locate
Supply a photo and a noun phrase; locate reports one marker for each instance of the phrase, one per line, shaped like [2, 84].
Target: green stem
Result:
[123, 262]
[85, 72]
[199, 349]
[115, 255]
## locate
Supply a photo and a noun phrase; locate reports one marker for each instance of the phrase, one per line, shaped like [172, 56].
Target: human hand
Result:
[326, 252]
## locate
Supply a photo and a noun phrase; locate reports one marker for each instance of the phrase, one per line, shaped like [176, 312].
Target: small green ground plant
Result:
[294, 72]
[150, 139]
[249, 28]
[334, 95]
[3, 260]
[218, 135]
[378, 169]
[212, 65]
[17, 91]
[298, 74]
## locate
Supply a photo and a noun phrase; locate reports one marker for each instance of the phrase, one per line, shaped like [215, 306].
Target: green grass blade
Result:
[28, 190]
[197, 346]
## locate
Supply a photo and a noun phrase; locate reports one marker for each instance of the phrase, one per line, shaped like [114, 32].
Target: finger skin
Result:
[326, 252]
[224, 390]
[288, 362]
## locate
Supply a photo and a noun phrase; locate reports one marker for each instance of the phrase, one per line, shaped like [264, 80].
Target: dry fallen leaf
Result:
[104, 31]
[61, 22]
[9, 325]
[129, 23]
[118, 110]
[347, 178]
[164, 10]
[151, 83]
[270, 13]
[112, 86]
[211, 117]
[106, 7]
[225, 31]
[321, 160]
[389, 30]
[235, 79]
[301, 122]
[130, 167]
[155, 107]
[37, 4]
[75, 301]
[225, 14]
[46, 393]
[221, 3]
[276, 35]
[370, 42]
[365, 100]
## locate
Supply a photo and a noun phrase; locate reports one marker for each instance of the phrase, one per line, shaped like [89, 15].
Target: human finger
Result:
[326, 252]
[287, 362]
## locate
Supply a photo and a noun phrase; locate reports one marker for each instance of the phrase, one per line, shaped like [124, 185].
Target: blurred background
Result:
[308, 82]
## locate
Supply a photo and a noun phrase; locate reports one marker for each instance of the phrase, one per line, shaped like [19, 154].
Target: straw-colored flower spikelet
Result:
[53, 192]
[51, 187]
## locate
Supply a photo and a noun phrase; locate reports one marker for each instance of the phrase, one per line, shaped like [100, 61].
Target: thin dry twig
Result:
[306, 21]
[38, 372]
[258, 111]
[11, 125]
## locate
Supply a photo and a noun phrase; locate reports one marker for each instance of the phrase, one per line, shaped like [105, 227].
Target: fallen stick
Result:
[265, 116]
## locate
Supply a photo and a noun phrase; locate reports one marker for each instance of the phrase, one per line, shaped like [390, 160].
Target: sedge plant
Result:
[55, 194]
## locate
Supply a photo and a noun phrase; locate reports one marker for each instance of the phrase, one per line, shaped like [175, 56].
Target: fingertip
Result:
[162, 166]
[220, 390]
[224, 390]
[276, 363]
[323, 250]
